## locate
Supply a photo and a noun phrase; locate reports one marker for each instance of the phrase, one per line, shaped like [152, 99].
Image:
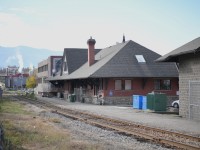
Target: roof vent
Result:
[123, 41]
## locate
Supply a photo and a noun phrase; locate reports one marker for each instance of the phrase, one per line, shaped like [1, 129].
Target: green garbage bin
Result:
[160, 102]
[150, 101]
[70, 98]
[157, 101]
[73, 98]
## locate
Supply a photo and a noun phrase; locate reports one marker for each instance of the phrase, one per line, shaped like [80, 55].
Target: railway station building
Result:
[114, 74]
[187, 58]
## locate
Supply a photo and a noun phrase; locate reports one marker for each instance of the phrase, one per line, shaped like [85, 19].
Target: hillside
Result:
[24, 56]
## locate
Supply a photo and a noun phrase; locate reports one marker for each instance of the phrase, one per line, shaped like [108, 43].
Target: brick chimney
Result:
[91, 42]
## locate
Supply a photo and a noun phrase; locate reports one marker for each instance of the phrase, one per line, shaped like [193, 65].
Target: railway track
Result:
[164, 137]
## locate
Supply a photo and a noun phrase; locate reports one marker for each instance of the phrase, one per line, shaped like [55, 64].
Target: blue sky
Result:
[160, 25]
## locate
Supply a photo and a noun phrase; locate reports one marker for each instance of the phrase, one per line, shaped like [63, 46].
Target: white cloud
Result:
[23, 10]
[13, 30]
[27, 10]
[9, 19]
[66, 33]
[9, 59]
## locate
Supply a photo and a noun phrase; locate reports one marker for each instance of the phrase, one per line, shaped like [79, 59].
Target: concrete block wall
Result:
[189, 69]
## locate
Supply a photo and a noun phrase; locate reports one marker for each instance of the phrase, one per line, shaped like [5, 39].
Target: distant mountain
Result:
[23, 56]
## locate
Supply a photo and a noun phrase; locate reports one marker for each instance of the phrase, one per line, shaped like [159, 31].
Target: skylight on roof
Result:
[140, 58]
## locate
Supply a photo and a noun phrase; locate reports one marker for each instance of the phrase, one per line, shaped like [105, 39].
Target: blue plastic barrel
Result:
[139, 102]
[144, 102]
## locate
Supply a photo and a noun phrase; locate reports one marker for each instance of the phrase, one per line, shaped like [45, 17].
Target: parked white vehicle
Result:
[175, 104]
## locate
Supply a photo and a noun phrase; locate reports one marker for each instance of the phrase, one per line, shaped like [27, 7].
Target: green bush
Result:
[31, 96]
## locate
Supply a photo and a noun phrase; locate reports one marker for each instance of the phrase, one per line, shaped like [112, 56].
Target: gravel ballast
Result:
[164, 121]
[106, 140]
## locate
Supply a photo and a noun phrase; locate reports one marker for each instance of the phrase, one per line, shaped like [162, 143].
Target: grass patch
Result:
[27, 132]
[8, 106]
[35, 134]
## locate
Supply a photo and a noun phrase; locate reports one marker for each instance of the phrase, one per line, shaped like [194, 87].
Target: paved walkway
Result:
[165, 121]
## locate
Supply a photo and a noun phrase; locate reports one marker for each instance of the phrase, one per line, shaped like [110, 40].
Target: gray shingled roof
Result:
[125, 64]
[76, 57]
[190, 47]
[120, 61]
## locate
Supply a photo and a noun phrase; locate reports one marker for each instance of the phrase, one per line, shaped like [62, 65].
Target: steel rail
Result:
[125, 127]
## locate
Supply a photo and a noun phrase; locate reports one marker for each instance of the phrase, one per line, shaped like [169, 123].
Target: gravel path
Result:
[104, 139]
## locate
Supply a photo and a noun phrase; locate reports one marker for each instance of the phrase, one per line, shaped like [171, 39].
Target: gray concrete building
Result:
[188, 62]
[46, 68]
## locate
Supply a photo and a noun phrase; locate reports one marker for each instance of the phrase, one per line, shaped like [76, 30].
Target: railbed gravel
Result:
[107, 140]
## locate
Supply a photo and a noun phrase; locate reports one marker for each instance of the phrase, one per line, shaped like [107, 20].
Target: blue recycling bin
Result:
[139, 102]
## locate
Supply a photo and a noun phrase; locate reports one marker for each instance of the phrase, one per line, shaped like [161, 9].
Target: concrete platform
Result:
[171, 122]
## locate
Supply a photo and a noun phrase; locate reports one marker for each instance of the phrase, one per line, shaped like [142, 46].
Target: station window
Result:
[127, 84]
[123, 84]
[118, 84]
[160, 84]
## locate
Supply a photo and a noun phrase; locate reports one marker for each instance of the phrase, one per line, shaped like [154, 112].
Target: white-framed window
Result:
[162, 84]
[118, 84]
[128, 84]
[123, 84]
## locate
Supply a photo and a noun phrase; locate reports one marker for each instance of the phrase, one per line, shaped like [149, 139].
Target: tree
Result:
[31, 82]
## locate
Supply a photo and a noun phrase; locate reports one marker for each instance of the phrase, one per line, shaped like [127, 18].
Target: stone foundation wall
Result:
[123, 100]
[109, 100]
[118, 100]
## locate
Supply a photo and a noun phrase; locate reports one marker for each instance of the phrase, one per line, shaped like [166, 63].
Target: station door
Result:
[194, 99]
